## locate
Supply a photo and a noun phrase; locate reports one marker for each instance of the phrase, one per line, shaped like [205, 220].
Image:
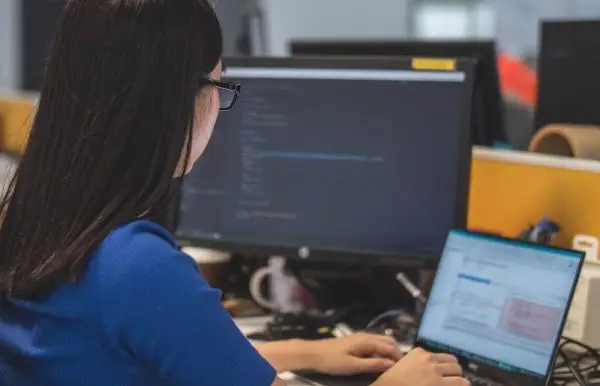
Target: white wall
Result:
[454, 20]
[231, 13]
[518, 19]
[285, 20]
[10, 44]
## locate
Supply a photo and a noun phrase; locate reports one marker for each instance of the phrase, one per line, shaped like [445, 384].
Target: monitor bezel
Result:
[329, 254]
[486, 370]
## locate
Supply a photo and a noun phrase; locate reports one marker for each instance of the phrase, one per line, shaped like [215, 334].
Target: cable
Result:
[577, 363]
[412, 289]
[574, 371]
[415, 292]
[385, 315]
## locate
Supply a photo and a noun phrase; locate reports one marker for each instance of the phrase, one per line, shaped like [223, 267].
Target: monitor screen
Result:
[488, 121]
[368, 161]
[503, 302]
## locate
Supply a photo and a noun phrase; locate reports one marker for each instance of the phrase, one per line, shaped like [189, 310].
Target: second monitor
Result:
[364, 159]
[488, 126]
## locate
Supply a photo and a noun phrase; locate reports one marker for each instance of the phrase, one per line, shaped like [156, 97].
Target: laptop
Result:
[499, 305]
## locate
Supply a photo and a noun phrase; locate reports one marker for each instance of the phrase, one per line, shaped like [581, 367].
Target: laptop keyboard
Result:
[479, 381]
[367, 379]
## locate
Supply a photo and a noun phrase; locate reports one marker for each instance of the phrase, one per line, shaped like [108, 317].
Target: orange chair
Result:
[16, 115]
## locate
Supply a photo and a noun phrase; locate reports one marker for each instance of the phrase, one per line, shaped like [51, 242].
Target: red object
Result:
[517, 79]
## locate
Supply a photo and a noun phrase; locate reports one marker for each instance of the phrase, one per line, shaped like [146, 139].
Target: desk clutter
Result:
[481, 309]
[493, 299]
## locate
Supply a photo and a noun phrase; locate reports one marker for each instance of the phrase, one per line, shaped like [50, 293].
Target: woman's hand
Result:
[354, 354]
[422, 368]
[359, 353]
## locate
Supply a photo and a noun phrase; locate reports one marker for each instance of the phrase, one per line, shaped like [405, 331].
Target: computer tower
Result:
[568, 72]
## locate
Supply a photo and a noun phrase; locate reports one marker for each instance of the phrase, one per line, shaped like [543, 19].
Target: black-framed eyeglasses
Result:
[228, 92]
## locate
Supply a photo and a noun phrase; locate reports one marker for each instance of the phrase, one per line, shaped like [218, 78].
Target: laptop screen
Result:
[500, 302]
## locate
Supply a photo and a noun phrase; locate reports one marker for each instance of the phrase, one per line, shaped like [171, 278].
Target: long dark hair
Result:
[115, 112]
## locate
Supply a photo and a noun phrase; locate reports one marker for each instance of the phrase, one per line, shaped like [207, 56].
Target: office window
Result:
[453, 19]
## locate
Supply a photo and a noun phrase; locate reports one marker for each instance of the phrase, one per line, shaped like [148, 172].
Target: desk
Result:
[252, 325]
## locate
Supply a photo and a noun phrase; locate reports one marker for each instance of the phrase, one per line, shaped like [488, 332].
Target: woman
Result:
[92, 293]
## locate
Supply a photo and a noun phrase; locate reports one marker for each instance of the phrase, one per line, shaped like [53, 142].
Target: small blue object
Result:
[141, 315]
[548, 225]
[542, 233]
[502, 145]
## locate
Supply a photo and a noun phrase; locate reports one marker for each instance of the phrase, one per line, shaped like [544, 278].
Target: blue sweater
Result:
[141, 315]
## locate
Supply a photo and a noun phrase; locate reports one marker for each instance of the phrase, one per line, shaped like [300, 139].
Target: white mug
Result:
[282, 289]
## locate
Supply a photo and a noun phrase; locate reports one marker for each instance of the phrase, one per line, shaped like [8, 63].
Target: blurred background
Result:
[267, 27]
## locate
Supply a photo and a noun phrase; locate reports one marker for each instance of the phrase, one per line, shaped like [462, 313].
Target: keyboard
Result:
[479, 381]
[368, 379]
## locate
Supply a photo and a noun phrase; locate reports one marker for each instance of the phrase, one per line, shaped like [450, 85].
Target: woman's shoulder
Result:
[141, 239]
[135, 253]
[138, 234]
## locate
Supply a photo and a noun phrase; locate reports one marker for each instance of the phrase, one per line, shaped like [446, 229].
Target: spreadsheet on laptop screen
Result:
[500, 300]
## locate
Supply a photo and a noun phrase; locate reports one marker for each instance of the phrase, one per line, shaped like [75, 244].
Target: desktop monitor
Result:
[568, 76]
[331, 159]
[488, 121]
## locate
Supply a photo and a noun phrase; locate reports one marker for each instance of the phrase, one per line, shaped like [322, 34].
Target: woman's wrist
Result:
[289, 355]
[306, 355]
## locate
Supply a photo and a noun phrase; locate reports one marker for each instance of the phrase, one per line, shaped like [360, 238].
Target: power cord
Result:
[577, 364]
[575, 374]
[388, 314]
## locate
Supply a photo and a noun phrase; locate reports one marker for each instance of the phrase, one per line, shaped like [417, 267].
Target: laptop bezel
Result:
[477, 364]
